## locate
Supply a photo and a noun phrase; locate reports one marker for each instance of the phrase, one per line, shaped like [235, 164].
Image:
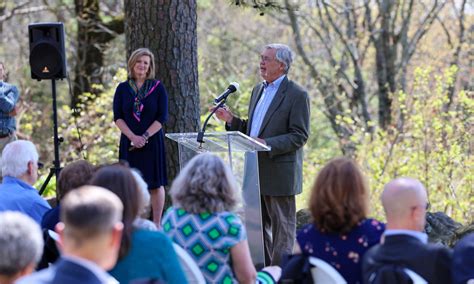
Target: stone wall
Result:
[439, 227]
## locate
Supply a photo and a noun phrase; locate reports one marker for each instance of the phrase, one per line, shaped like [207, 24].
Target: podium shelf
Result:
[219, 142]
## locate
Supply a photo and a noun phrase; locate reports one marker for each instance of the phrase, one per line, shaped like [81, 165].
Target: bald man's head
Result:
[404, 201]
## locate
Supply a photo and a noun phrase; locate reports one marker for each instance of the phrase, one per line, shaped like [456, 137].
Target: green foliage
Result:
[50, 190]
[430, 143]
[204, 4]
[321, 147]
[94, 126]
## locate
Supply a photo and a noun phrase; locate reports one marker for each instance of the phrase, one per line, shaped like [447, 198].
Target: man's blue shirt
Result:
[8, 98]
[263, 104]
[17, 195]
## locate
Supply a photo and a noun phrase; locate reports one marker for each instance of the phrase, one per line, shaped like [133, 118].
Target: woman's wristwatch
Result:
[146, 135]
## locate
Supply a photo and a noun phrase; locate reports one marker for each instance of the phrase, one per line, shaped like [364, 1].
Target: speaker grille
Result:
[45, 60]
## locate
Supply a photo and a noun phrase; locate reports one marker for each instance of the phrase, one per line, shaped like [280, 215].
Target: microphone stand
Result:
[200, 136]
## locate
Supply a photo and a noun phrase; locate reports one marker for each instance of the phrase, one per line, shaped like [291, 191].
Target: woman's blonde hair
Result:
[134, 58]
[206, 184]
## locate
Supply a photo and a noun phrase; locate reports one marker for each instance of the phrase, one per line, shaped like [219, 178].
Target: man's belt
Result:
[4, 135]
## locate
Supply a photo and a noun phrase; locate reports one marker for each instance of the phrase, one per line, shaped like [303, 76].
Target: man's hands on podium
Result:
[260, 140]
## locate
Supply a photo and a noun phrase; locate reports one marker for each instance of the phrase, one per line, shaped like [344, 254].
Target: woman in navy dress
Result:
[140, 110]
[341, 233]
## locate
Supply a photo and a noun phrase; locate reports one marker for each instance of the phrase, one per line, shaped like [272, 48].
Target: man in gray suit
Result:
[278, 116]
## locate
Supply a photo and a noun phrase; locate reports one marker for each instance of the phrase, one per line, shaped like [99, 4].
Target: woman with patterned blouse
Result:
[202, 221]
[341, 232]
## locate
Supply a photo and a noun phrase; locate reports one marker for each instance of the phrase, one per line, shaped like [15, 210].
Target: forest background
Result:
[390, 81]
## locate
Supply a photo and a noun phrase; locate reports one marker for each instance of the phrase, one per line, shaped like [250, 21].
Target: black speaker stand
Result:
[57, 164]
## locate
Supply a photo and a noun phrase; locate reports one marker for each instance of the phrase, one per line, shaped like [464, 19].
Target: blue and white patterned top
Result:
[208, 238]
[8, 98]
[263, 104]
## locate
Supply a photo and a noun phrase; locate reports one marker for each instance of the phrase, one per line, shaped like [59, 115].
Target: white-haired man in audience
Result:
[90, 234]
[21, 245]
[405, 245]
[20, 172]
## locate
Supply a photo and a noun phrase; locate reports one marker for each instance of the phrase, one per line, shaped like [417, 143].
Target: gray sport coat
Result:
[285, 128]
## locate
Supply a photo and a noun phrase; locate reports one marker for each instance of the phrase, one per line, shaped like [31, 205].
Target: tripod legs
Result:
[50, 175]
[57, 164]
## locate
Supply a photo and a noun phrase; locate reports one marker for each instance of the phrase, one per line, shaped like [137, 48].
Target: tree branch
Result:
[18, 10]
[332, 103]
[446, 31]
[457, 52]
[423, 28]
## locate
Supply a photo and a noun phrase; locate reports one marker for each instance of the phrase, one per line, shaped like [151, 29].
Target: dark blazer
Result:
[285, 128]
[71, 273]
[463, 260]
[63, 271]
[430, 261]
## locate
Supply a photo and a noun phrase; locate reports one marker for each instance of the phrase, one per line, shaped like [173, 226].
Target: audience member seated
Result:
[21, 245]
[20, 172]
[340, 233]
[202, 221]
[405, 245]
[144, 254]
[73, 176]
[90, 234]
[144, 208]
[463, 261]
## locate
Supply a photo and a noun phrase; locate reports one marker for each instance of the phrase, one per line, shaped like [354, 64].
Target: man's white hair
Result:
[21, 242]
[283, 54]
[16, 156]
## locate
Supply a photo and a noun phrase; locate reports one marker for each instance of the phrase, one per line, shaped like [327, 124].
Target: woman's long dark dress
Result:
[150, 159]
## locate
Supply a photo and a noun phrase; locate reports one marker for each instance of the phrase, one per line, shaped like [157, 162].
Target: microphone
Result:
[234, 86]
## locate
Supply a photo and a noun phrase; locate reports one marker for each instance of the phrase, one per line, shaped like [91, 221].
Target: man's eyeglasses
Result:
[266, 59]
[427, 206]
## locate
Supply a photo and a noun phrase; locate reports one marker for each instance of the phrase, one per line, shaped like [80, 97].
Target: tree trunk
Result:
[168, 29]
[457, 52]
[385, 58]
[2, 13]
[92, 35]
[89, 57]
